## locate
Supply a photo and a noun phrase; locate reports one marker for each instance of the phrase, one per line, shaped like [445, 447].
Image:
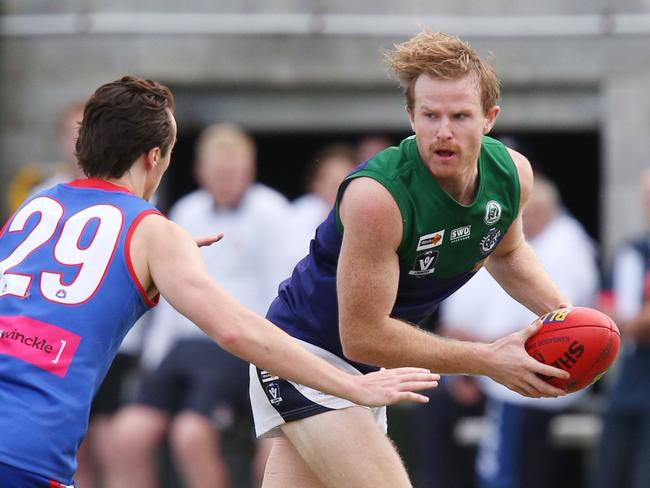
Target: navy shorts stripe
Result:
[286, 399]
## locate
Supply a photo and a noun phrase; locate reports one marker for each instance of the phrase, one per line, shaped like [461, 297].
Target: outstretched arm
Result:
[167, 256]
[367, 280]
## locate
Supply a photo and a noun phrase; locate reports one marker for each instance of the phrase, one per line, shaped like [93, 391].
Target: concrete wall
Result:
[316, 64]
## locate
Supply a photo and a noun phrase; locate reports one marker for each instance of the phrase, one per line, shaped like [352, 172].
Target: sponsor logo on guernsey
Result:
[430, 240]
[424, 263]
[490, 241]
[43, 345]
[273, 392]
[492, 212]
[460, 234]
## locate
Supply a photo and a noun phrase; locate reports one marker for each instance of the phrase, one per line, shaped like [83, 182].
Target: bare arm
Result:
[167, 256]
[367, 280]
[514, 264]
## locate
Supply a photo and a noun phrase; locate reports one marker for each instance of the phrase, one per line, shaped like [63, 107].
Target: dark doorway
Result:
[571, 159]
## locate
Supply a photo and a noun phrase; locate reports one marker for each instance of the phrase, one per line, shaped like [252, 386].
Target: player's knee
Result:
[134, 433]
[191, 431]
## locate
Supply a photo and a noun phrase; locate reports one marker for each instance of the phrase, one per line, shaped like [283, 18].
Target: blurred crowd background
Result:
[276, 101]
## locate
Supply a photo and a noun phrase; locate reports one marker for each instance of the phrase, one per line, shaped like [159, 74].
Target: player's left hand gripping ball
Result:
[580, 340]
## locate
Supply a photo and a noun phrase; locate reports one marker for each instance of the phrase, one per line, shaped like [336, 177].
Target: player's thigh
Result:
[346, 448]
[286, 469]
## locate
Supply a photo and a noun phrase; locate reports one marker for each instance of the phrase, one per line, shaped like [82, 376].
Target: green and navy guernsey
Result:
[444, 242]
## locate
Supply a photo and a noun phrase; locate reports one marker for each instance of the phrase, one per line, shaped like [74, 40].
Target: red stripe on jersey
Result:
[98, 184]
[129, 264]
[56, 484]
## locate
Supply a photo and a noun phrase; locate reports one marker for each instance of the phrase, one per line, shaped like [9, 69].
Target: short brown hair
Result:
[225, 136]
[443, 57]
[123, 120]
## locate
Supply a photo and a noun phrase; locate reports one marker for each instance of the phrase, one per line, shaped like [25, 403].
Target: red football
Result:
[580, 340]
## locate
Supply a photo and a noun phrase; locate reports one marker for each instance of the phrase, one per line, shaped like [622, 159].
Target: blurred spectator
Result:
[21, 185]
[324, 175]
[197, 388]
[68, 129]
[623, 455]
[516, 451]
[370, 145]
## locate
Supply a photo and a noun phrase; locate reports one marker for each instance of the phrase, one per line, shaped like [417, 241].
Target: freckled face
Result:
[449, 122]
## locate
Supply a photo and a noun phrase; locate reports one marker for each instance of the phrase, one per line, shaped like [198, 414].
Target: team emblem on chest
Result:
[490, 240]
[492, 212]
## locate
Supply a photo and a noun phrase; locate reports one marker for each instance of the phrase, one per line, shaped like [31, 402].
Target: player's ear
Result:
[411, 115]
[491, 118]
[152, 157]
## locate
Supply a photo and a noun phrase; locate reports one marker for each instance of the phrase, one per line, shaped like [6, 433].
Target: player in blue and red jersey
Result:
[80, 262]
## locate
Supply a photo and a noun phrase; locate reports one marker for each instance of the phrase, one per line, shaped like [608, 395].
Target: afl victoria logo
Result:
[273, 393]
[424, 264]
[492, 212]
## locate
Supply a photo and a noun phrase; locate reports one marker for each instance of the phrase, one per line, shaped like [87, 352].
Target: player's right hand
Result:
[389, 386]
[514, 368]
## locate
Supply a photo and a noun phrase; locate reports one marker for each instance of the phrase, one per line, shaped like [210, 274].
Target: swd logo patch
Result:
[461, 233]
